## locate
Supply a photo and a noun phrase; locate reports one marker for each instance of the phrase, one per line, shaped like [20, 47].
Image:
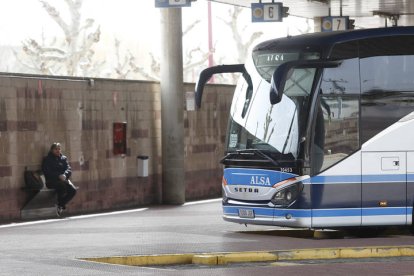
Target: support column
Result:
[172, 107]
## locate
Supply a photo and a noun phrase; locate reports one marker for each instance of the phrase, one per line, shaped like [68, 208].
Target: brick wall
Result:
[36, 111]
[204, 145]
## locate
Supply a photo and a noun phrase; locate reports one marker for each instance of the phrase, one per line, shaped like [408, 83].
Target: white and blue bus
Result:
[321, 131]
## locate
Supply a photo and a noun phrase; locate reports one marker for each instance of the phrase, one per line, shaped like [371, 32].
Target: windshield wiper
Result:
[232, 156]
[264, 155]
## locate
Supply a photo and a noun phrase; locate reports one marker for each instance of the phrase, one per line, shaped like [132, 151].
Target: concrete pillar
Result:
[172, 107]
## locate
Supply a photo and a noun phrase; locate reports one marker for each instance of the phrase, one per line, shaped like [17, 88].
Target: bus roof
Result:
[323, 41]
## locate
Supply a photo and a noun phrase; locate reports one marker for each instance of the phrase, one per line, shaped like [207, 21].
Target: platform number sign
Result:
[172, 3]
[267, 12]
[335, 23]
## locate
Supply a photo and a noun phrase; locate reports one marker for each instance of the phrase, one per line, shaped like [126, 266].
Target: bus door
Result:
[335, 155]
[384, 188]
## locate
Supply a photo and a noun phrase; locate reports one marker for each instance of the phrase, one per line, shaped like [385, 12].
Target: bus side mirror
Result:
[275, 93]
[207, 73]
[284, 71]
[278, 81]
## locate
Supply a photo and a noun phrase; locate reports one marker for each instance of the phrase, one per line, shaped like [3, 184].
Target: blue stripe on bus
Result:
[256, 177]
[384, 178]
[410, 177]
[257, 210]
[384, 211]
[270, 212]
[243, 177]
[331, 179]
[305, 213]
[345, 179]
[358, 212]
[336, 212]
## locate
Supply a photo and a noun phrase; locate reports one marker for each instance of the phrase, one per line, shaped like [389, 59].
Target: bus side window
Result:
[318, 142]
[336, 133]
[340, 126]
[387, 86]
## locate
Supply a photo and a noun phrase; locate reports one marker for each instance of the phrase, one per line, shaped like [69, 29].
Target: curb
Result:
[223, 258]
[320, 233]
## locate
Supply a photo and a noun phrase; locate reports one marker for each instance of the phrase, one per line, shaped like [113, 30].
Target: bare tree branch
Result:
[75, 52]
[189, 28]
[55, 15]
[242, 46]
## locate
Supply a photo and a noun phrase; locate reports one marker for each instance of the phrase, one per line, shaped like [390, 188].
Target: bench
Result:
[41, 202]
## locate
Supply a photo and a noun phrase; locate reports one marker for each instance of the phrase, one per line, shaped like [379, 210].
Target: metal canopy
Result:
[352, 8]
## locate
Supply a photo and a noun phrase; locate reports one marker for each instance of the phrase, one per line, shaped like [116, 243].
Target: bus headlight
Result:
[287, 195]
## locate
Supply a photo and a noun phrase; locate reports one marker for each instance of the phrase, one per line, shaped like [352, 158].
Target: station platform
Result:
[78, 245]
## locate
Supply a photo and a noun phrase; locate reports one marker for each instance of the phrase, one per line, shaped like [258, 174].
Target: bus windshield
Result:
[257, 124]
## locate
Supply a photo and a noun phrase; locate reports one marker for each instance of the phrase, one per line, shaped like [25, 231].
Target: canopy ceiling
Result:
[364, 10]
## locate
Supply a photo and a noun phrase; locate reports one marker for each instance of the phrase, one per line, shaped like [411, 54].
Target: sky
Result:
[135, 23]
[22, 18]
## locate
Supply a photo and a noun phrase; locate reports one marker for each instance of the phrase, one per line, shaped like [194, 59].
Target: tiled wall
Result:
[36, 111]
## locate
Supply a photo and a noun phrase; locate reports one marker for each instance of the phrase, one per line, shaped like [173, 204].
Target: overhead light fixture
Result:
[326, 2]
[393, 17]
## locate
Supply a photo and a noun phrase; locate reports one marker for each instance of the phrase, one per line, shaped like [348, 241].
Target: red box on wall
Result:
[119, 138]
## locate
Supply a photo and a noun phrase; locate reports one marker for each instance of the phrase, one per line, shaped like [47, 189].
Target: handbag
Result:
[33, 180]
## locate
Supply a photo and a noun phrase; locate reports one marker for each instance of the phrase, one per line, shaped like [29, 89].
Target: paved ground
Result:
[53, 247]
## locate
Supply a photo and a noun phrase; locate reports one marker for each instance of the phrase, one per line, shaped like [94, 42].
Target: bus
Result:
[321, 131]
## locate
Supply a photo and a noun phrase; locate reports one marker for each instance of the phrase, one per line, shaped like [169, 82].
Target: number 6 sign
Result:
[267, 12]
[272, 13]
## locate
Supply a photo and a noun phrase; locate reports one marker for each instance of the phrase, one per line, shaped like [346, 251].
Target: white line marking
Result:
[70, 218]
[202, 201]
[17, 224]
[98, 215]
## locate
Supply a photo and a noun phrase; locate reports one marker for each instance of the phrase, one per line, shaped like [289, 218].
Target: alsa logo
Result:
[260, 180]
[246, 190]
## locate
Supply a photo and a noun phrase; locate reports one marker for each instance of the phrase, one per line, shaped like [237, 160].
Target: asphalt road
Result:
[57, 246]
